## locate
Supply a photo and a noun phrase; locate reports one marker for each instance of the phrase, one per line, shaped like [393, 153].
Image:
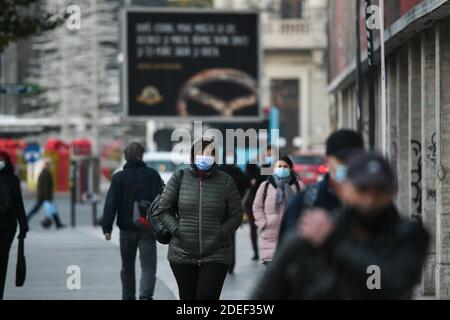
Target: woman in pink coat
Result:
[270, 202]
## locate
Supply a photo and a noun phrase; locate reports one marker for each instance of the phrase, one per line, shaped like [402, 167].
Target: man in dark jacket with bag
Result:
[45, 190]
[135, 183]
[364, 251]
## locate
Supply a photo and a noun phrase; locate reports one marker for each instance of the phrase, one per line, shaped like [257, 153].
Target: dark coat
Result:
[253, 172]
[45, 186]
[11, 203]
[137, 177]
[325, 199]
[339, 269]
[237, 175]
[202, 213]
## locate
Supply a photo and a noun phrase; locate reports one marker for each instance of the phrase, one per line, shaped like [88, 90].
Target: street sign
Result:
[32, 153]
[18, 89]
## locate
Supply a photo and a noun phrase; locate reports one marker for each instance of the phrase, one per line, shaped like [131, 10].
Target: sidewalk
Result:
[49, 253]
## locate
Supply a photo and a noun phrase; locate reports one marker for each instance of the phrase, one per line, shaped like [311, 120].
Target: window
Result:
[291, 9]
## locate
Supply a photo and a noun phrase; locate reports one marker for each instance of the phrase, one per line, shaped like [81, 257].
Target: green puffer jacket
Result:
[209, 211]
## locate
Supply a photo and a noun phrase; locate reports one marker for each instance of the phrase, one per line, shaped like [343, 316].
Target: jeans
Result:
[6, 239]
[203, 282]
[130, 241]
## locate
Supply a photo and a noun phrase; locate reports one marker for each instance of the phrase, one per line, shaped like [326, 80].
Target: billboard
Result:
[190, 64]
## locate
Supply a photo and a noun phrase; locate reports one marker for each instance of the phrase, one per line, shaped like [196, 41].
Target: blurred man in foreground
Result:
[340, 145]
[364, 251]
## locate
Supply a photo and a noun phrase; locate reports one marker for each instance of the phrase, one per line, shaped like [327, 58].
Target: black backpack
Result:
[160, 232]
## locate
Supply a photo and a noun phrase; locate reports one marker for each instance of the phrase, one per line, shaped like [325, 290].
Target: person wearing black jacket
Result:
[45, 197]
[339, 147]
[136, 182]
[239, 180]
[12, 212]
[364, 251]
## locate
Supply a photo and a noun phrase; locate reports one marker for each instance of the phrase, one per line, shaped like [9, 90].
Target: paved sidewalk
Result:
[49, 253]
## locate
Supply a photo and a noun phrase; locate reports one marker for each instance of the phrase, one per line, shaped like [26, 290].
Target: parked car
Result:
[310, 167]
[163, 162]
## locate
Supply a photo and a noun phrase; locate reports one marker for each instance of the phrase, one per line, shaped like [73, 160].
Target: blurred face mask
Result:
[2, 164]
[204, 162]
[339, 174]
[282, 173]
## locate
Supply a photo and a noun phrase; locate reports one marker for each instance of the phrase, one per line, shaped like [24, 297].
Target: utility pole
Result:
[359, 113]
[96, 103]
[371, 82]
[383, 84]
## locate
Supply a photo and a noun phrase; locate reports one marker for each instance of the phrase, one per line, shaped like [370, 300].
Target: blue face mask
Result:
[282, 173]
[204, 163]
[2, 165]
[340, 175]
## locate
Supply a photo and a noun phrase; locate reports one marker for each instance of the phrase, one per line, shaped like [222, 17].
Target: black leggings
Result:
[203, 282]
[6, 239]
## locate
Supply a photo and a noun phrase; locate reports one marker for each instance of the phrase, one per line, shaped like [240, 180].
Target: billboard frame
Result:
[124, 97]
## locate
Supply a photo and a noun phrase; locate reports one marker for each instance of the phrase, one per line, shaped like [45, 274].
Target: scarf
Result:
[284, 191]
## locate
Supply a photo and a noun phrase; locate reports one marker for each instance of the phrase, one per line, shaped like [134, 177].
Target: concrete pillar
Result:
[428, 113]
[392, 109]
[443, 160]
[415, 127]
[377, 109]
[402, 138]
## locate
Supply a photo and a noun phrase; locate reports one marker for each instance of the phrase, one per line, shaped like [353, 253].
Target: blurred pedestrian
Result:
[270, 202]
[365, 250]
[339, 146]
[254, 180]
[45, 198]
[12, 212]
[202, 209]
[135, 183]
[238, 177]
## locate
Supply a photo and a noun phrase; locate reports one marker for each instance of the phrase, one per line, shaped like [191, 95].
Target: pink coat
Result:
[268, 219]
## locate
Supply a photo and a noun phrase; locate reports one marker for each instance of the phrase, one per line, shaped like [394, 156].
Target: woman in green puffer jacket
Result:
[201, 207]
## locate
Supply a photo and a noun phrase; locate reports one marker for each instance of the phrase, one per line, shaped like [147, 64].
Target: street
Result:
[50, 253]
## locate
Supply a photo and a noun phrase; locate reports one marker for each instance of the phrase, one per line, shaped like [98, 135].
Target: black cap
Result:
[343, 143]
[371, 169]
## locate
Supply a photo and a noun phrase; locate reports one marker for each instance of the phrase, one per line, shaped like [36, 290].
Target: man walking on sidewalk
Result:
[136, 182]
[45, 198]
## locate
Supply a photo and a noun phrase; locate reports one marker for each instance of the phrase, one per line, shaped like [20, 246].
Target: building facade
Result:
[417, 40]
[293, 34]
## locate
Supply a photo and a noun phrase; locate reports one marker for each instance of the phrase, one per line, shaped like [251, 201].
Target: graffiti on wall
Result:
[431, 150]
[416, 176]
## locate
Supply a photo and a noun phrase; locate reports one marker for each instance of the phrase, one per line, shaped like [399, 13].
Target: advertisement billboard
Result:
[189, 64]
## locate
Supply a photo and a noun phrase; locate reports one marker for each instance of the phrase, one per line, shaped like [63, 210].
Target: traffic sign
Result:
[32, 153]
[17, 89]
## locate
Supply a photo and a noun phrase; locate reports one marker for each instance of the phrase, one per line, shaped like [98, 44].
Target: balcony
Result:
[293, 34]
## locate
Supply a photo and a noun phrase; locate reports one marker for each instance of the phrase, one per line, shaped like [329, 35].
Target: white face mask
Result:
[2, 164]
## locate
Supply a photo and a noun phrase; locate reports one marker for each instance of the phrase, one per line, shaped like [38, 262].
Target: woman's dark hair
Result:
[204, 143]
[134, 152]
[288, 160]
